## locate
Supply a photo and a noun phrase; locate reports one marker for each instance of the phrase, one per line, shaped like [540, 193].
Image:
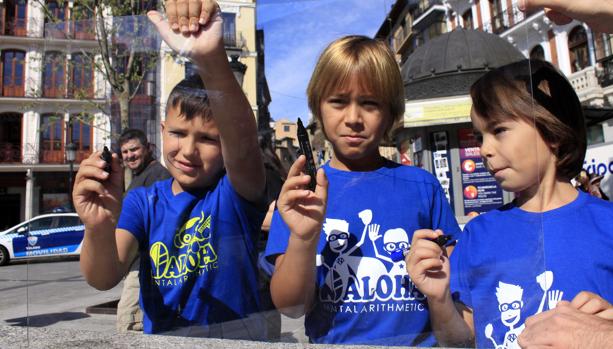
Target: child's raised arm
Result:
[229, 105]
[293, 283]
[428, 267]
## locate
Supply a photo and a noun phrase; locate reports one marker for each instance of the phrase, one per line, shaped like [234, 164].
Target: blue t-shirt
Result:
[198, 254]
[363, 297]
[510, 264]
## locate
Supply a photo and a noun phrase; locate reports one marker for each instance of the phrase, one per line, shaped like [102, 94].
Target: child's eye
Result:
[175, 134]
[499, 130]
[371, 104]
[208, 139]
[336, 101]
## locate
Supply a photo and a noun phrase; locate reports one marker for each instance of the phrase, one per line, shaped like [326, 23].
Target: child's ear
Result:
[162, 125]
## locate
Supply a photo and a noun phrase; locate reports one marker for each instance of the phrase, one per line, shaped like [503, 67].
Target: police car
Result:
[54, 234]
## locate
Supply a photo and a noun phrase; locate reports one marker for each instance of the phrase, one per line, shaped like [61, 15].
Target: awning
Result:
[437, 111]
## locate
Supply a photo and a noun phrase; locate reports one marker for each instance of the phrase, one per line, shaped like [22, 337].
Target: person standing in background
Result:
[137, 156]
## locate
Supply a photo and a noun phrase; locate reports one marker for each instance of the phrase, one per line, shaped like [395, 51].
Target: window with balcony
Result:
[82, 22]
[229, 29]
[82, 135]
[81, 76]
[537, 52]
[497, 13]
[467, 19]
[52, 138]
[577, 45]
[55, 19]
[15, 18]
[13, 73]
[10, 137]
[54, 75]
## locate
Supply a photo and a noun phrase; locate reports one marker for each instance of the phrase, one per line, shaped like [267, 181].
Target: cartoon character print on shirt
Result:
[510, 304]
[354, 276]
[191, 252]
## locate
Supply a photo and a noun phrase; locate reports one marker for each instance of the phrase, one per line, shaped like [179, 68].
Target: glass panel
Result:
[435, 170]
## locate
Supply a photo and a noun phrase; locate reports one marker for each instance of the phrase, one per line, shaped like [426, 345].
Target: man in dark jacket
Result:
[136, 155]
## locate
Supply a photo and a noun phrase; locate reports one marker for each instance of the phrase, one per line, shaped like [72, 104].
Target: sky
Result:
[296, 32]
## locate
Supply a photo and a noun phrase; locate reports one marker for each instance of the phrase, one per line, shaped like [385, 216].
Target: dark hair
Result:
[190, 96]
[133, 133]
[536, 92]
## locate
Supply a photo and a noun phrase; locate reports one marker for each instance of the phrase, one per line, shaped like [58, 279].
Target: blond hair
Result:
[374, 65]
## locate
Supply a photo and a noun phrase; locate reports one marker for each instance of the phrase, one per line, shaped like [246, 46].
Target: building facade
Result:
[51, 97]
[49, 93]
[440, 58]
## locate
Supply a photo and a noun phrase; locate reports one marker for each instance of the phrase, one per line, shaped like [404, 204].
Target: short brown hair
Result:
[371, 60]
[536, 92]
[191, 97]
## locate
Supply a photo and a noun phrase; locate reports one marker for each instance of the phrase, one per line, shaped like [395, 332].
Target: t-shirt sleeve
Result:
[460, 269]
[278, 238]
[442, 215]
[132, 216]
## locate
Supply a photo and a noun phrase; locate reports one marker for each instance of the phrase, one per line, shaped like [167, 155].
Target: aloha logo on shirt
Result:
[192, 253]
[510, 304]
[353, 279]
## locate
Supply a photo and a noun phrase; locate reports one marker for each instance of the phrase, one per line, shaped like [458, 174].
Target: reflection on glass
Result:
[46, 84]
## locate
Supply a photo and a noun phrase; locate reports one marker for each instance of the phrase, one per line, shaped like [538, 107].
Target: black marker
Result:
[107, 157]
[399, 255]
[305, 148]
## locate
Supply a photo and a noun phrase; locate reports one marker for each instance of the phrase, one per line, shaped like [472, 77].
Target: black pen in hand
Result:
[400, 254]
[305, 149]
[107, 157]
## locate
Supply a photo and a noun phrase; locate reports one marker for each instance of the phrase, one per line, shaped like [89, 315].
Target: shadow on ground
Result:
[44, 320]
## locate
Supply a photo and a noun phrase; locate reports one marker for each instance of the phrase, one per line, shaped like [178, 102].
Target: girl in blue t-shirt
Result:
[333, 258]
[546, 246]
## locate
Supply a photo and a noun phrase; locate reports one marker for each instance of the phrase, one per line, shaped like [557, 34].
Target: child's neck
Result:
[365, 164]
[547, 196]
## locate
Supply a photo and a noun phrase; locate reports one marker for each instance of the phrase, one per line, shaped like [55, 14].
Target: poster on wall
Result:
[441, 162]
[480, 192]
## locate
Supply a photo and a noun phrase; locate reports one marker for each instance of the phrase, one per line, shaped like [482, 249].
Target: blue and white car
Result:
[55, 234]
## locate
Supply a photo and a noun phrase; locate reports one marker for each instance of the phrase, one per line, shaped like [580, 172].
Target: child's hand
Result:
[428, 264]
[193, 28]
[303, 210]
[96, 194]
[592, 303]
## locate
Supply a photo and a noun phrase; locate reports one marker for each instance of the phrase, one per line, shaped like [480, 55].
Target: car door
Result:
[67, 235]
[30, 241]
[20, 240]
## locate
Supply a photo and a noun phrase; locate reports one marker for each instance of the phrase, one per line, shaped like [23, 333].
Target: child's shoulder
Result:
[157, 189]
[410, 173]
[598, 204]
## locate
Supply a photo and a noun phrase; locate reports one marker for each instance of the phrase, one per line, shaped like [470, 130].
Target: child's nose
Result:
[486, 148]
[188, 148]
[352, 115]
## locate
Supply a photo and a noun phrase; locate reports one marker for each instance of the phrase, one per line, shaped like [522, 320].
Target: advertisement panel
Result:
[480, 192]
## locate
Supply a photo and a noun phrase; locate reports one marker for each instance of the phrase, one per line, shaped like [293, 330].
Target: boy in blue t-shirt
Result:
[196, 233]
[547, 246]
[333, 247]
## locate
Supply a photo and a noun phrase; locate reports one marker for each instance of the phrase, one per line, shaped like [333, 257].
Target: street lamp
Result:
[238, 69]
[71, 154]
